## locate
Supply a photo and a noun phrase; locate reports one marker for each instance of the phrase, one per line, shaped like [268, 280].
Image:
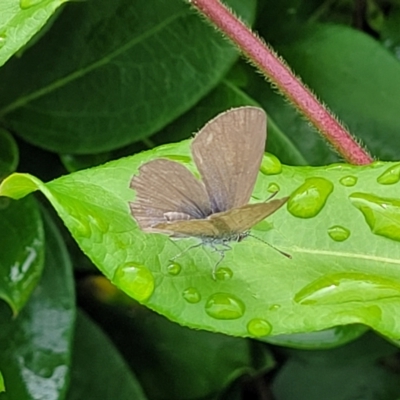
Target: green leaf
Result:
[130, 69]
[2, 386]
[172, 360]
[92, 351]
[350, 72]
[22, 255]
[8, 154]
[354, 371]
[335, 276]
[20, 20]
[35, 346]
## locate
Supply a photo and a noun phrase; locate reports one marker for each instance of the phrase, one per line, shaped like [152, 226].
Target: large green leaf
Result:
[90, 380]
[22, 250]
[335, 275]
[349, 71]
[20, 20]
[130, 69]
[35, 346]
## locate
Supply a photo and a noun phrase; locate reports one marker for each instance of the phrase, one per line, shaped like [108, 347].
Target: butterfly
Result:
[227, 152]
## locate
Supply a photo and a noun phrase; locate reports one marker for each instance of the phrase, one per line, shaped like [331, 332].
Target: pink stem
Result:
[275, 69]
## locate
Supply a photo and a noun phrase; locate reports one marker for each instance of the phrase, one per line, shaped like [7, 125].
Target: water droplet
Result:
[24, 4]
[174, 268]
[270, 165]
[348, 180]
[347, 287]
[381, 214]
[309, 199]
[338, 167]
[224, 306]
[273, 187]
[80, 227]
[135, 279]
[274, 307]
[390, 176]
[338, 233]
[259, 327]
[191, 295]
[223, 274]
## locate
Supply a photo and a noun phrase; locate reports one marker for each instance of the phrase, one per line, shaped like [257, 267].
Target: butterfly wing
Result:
[166, 190]
[241, 219]
[228, 153]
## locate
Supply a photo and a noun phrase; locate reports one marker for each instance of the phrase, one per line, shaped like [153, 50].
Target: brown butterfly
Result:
[228, 152]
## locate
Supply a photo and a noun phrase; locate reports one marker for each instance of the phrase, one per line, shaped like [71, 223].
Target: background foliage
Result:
[88, 82]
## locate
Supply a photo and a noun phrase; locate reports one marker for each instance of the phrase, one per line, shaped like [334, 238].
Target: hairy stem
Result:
[279, 73]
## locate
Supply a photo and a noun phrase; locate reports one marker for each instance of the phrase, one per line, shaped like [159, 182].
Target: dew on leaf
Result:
[347, 287]
[348, 180]
[224, 306]
[338, 233]
[191, 295]
[259, 327]
[309, 199]
[390, 176]
[135, 279]
[381, 214]
[223, 274]
[270, 165]
[174, 268]
[274, 307]
[273, 187]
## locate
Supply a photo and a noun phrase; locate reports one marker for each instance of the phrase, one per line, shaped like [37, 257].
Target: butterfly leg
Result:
[184, 251]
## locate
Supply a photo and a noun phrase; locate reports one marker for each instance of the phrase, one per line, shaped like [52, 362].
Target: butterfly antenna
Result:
[272, 246]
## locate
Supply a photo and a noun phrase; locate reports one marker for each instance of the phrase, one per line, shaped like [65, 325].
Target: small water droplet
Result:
[224, 306]
[80, 227]
[270, 165]
[338, 233]
[274, 307]
[135, 279]
[24, 4]
[223, 274]
[273, 187]
[259, 327]
[347, 287]
[381, 214]
[174, 268]
[390, 176]
[191, 295]
[309, 199]
[338, 167]
[348, 180]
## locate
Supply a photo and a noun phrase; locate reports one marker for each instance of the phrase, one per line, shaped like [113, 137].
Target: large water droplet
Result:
[273, 188]
[390, 176]
[24, 4]
[348, 180]
[338, 233]
[309, 199]
[347, 287]
[191, 295]
[259, 327]
[174, 268]
[224, 306]
[135, 279]
[223, 274]
[270, 165]
[381, 214]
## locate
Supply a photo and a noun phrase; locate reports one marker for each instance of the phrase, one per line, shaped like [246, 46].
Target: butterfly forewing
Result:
[164, 187]
[228, 153]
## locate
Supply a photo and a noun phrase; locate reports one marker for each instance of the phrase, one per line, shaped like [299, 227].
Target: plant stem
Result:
[279, 73]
